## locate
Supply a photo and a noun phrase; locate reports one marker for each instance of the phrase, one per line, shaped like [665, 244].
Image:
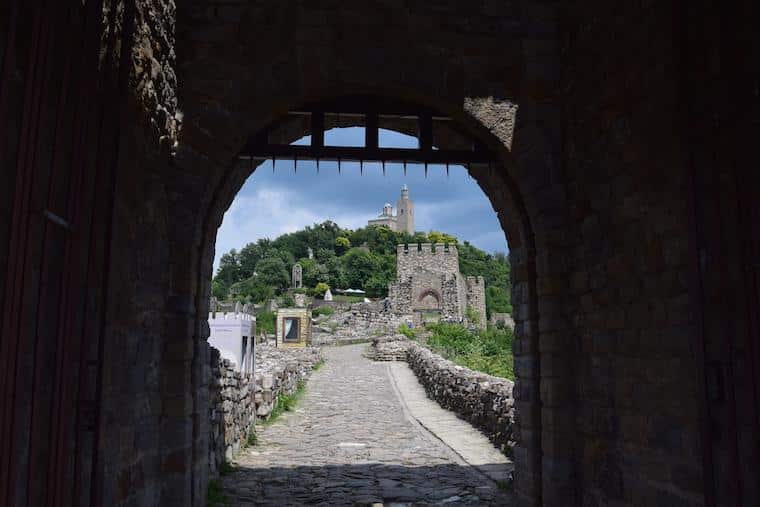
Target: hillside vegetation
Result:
[360, 259]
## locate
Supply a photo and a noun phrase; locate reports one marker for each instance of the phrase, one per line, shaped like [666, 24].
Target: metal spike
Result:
[317, 166]
[447, 169]
[295, 165]
[274, 163]
[425, 169]
[361, 167]
[383, 167]
[405, 167]
[338, 166]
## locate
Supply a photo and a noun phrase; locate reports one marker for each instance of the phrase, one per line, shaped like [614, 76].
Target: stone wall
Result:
[237, 399]
[483, 400]
[454, 298]
[476, 298]
[438, 258]
[388, 348]
[361, 322]
[278, 371]
[619, 110]
[232, 411]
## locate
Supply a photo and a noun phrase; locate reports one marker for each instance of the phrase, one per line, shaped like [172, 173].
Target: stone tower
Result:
[405, 212]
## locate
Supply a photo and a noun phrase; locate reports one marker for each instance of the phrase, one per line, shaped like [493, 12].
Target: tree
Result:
[320, 289]
[253, 289]
[336, 273]
[312, 272]
[497, 301]
[218, 290]
[265, 322]
[371, 270]
[250, 255]
[228, 272]
[324, 254]
[359, 266]
[342, 244]
[272, 272]
[376, 286]
[440, 237]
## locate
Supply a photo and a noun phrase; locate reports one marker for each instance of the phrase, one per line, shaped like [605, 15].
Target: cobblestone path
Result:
[351, 442]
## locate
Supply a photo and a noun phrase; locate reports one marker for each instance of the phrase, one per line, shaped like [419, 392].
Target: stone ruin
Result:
[429, 286]
[296, 276]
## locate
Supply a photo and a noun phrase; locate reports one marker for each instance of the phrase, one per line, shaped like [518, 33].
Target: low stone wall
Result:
[237, 399]
[483, 400]
[278, 371]
[232, 410]
[362, 321]
[388, 348]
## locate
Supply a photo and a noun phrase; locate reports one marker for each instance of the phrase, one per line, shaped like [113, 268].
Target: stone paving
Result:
[351, 441]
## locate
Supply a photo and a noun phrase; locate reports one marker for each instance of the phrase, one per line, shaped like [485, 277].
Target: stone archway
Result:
[501, 190]
[619, 191]
[222, 108]
[429, 299]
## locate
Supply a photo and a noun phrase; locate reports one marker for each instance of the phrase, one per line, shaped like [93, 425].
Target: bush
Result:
[320, 289]
[287, 301]
[488, 351]
[472, 315]
[322, 310]
[265, 322]
[407, 331]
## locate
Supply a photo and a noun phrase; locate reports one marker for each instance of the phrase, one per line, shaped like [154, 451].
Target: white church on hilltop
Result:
[403, 220]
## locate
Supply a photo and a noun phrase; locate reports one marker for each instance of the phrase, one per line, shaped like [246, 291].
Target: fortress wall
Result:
[452, 300]
[415, 256]
[476, 297]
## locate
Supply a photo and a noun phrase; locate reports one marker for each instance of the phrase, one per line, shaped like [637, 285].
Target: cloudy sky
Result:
[272, 203]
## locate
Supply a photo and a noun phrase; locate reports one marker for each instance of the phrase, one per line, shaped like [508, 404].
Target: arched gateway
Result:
[632, 239]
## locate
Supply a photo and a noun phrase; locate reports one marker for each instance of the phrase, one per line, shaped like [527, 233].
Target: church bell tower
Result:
[405, 210]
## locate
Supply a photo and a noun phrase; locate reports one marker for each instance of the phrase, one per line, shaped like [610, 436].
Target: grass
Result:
[348, 299]
[226, 468]
[215, 497]
[322, 310]
[407, 331]
[286, 403]
[488, 351]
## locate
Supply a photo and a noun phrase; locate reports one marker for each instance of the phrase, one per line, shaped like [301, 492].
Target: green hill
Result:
[363, 258]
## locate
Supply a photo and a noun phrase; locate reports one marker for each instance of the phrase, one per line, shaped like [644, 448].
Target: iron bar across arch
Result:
[261, 146]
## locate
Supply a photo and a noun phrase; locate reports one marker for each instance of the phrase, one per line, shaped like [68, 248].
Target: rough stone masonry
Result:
[238, 399]
[428, 282]
[485, 401]
[624, 177]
